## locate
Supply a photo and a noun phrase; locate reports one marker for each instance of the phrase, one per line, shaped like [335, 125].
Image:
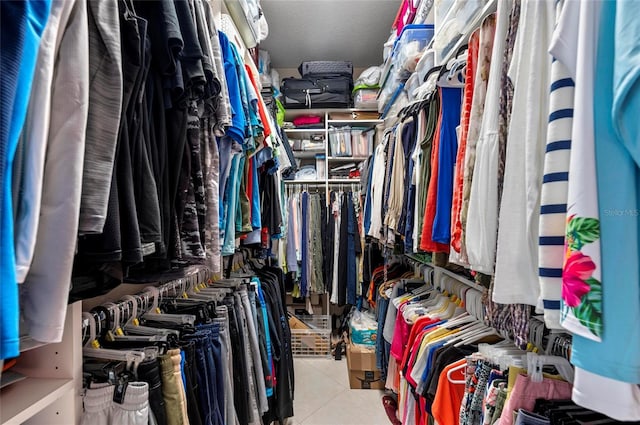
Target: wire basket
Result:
[315, 341]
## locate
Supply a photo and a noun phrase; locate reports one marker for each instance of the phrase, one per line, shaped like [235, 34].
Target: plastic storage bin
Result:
[365, 98]
[340, 141]
[410, 46]
[359, 143]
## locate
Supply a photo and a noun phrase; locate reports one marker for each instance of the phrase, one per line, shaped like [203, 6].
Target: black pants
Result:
[149, 371]
[191, 384]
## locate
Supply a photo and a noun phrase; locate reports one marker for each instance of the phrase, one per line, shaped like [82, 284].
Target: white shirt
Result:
[516, 273]
[553, 195]
[482, 216]
[616, 399]
[35, 136]
[579, 44]
[377, 189]
[46, 287]
[416, 155]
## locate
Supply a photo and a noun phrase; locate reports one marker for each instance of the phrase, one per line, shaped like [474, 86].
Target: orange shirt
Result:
[446, 403]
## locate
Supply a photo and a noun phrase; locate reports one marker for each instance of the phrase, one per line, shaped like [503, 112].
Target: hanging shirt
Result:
[46, 287]
[396, 184]
[335, 210]
[105, 105]
[237, 128]
[516, 274]
[306, 272]
[467, 101]
[426, 144]
[377, 189]
[582, 304]
[416, 134]
[426, 241]
[22, 25]
[476, 121]
[292, 261]
[451, 102]
[482, 216]
[223, 111]
[35, 134]
[553, 195]
[212, 183]
[616, 106]
[368, 200]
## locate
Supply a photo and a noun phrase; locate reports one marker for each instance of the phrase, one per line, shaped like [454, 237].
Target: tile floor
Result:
[323, 396]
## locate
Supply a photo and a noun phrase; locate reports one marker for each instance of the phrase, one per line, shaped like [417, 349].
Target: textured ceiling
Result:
[352, 30]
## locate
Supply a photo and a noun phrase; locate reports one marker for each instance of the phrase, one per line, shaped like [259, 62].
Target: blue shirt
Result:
[617, 149]
[451, 102]
[367, 204]
[238, 120]
[22, 26]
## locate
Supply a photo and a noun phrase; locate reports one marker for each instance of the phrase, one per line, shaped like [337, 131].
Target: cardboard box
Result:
[363, 374]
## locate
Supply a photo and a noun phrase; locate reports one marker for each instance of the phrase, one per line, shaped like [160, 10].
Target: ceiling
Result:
[351, 30]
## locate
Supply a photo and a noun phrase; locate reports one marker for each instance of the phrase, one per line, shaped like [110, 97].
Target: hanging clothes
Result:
[516, 278]
[485, 64]
[469, 84]
[23, 23]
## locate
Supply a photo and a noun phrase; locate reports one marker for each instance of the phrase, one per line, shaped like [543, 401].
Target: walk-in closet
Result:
[319, 212]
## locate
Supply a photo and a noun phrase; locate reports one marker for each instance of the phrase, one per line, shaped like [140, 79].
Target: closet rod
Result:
[449, 273]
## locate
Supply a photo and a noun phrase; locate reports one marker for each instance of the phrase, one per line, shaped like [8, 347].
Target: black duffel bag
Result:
[317, 92]
[318, 68]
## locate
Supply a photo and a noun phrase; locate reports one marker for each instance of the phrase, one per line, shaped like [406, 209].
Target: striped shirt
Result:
[554, 192]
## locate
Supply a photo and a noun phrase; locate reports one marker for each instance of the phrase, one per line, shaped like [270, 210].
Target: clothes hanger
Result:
[477, 336]
[131, 357]
[535, 364]
[454, 370]
[92, 348]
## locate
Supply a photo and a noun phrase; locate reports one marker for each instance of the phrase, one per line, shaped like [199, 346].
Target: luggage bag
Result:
[319, 92]
[317, 68]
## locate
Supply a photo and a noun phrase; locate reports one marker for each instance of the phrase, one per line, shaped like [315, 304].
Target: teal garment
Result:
[265, 316]
[244, 97]
[256, 219]
[238, 201]
[231, 198]
[617, 149]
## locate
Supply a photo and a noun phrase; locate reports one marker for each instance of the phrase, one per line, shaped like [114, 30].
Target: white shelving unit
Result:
[329, 160]
[51, 393]
[307, 157]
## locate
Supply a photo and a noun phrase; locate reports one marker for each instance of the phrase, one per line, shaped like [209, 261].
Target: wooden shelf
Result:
[347, 158]
[307, 154]
[344, 181]
[21, 401]
[371, 121]
[27, 343]
[304, 130]
[305, 181]
[292, 113]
